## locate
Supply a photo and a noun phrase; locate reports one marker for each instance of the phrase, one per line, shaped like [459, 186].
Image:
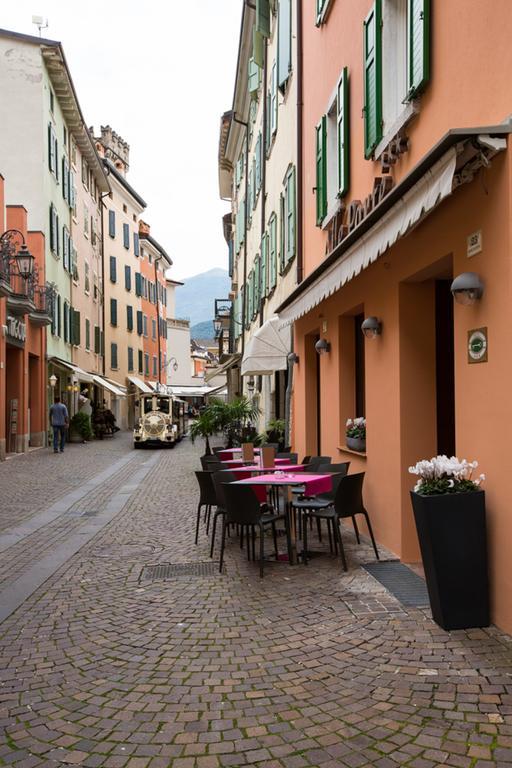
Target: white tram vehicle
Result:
[159, 421]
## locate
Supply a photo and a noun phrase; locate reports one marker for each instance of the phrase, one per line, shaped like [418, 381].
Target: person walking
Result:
[59, 419]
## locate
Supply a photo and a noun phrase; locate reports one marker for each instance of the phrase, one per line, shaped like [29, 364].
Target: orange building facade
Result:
[25, 311]
[407, 168]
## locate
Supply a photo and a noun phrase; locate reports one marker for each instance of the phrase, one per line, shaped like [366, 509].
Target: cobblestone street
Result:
[307, 667]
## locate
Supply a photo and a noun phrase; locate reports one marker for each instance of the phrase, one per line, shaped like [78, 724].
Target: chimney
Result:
[116, 149]
[144, 228]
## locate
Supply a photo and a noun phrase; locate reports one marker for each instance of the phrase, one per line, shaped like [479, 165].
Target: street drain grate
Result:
[168, 571]
[409, 588]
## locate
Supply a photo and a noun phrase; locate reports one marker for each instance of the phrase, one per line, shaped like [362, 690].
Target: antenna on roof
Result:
[40, 23]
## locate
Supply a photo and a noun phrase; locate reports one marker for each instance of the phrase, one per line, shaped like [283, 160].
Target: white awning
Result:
[267, 351]
[233, 360]
[78, 372]
[106, 384]
[191, 391]
[424, 196]
[141, 385]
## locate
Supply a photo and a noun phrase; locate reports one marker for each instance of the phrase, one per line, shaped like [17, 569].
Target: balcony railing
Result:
[44, 297]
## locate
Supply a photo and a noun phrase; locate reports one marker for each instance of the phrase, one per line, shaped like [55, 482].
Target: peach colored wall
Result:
[400, 386]
[150, 310]
[470, 86]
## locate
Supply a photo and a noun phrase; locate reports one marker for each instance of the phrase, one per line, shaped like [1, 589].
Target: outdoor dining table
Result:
[242, 471]
[231, 453]
[240, 462]
[313, 483]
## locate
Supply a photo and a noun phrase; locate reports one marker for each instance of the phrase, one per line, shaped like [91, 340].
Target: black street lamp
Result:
[9, 252]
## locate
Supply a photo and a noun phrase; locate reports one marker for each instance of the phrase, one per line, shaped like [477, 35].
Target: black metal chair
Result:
[244, 509]
[211, 462]
[218, 449]
[294, 457]
[270, 445]
[311, 466]
[322, 500]
[348, 502]
[306, 460]
[219, 478]
[207, 498]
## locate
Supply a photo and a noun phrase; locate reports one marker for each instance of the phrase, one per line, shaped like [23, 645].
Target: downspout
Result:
[102, 329]
[157, 260]
[300, 169]
[263, 166]
[246, 162]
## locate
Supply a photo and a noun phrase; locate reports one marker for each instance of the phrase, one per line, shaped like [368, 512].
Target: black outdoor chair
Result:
[270, 445]
[348, 502]
[311, 466]
[219, 478]
[211, 461]
[207, 498]
[218, 449]
[306, 460]
[294, 457]
[322, 500]
[244, 509]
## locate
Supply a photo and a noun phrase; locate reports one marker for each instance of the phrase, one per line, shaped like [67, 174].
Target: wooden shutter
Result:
[257, 156]
[113, 311]
[97, 340]
[290, 215]
[273, 99]
[136, 243]
[250, 303]
[138, 284]
[372, 46]
[253, 77]
[140, 322]
[126, 236]
[57, 235]
[418, 23]
[257, 284]
[321, 170]
[51, 149]
[264, 266]
[65, 179]
[66, 322]
[263, 17]
[284, 42]
[258, 47]
[343, 135]
[65, 249]
[87, 334]
[112, 223]
[113, 269]
[127, 277]
[113, 355]
[140, 361]
[272, 249]
[76, 327]
[129, 317]
[53, 238]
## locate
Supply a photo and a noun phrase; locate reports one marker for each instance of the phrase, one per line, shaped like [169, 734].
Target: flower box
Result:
[356, 444]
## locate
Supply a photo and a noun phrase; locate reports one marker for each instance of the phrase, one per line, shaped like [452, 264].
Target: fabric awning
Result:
[267, 350]
[78, 372]
[188, 391]
[234, 359]
[141, 385]
[426, 194]
[106, 384]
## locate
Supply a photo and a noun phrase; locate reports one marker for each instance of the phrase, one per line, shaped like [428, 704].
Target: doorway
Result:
[313, 410]
[445, 376]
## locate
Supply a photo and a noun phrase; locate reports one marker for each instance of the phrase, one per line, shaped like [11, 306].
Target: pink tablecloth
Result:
[231, 453]
[242, 472]
[240, 463]
[313, 483]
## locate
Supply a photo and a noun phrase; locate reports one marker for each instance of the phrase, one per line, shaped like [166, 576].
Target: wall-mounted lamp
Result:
[53, 381]
[467, 288]
[250, 384]
[293, 358]
[322, 346]
[371, 327]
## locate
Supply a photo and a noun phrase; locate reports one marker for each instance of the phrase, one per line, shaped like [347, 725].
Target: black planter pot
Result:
[453, 542]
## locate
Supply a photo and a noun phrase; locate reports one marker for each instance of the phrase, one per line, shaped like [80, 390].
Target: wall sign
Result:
[16, 331]
[477, 345]
[474, 243]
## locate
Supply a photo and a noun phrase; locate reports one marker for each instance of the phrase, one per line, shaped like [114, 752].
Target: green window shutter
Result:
[254, 73]
[65, 179]
[258, 47]
[281, 255]
[113, 269]
[242, 221]
[97, 340]
[127, 277]
[263, 17]
[257, 156]
[284, 42]
[290, 215]
[129, 317]
[268, 132]
[372, 46]
[126, 235]
[263, 266]
[273, 99]
[140, 360]
[140, 322]
[321, 170]
[250, 193]
[51, 149]
[418, 23]
[343, 134]
[87, 334]
[66, 322]
[130, 358]
[138, 284]
[250, 302]
[319, 8]
[113, 355]
[272, 251]
[113, 311]
[257, 284]
[76, 328]
[112, 223]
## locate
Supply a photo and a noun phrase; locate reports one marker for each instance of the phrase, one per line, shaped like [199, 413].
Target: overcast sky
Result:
[161, 73]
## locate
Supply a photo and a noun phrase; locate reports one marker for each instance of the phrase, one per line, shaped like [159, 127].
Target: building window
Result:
[87, 334]
[140, 361]
[113, 355]
[112, 223]
[140, 323]
[86, 221]
[52, 101]
[113, 311]
[145, 325]
[66, 322]
[87, 281]
[146, 364]
[289, 215]
[153, 328]
[155, 366]
[54, 231]
[284, 43]
[127, 277]
[126, 235]
[113, 269]
[130, 358]
[129, 317]
[136, 243]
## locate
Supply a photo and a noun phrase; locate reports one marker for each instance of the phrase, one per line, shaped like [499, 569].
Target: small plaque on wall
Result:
[477, 345]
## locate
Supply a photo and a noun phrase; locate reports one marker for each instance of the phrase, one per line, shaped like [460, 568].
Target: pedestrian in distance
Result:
[59, 419]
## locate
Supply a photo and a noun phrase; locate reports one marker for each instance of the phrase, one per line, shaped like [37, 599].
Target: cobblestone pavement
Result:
[307, 667]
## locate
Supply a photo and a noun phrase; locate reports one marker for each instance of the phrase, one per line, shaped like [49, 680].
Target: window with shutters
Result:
[153, 329]
[140, 322]
[321, 170]
[53, 151]
[75, 340]
[254, 78]
[146, 364]
[86, 221]
[332, 154]
[129, 317]
[54, 231]
[289, 215]
[136, 243]
[65, 179]
[155, 366]
[130, 358]
[97, 340]
[140, 361]
[87, 280]
[113, 269]
[394, 61]
[145, 325]
[126, 235]
[342, 134]
[256, 286]
[112, 223]
[127, 277]
[65, 249]
[66, 321]
[264, 265]
[372, 52]
[113, 355]
[284, 43]
[272, 252]
[322, 10]
[87, 334]
[273, 99]
[113, 311]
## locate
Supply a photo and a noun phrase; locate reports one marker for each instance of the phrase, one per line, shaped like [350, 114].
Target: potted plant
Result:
[205, 426]
[356, 434]
[275, 433]
[449, 511]
[80, 428]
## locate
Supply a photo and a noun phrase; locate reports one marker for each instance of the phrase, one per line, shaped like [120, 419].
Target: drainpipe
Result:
[102, 329]
[246, 126]
[263, 167]
[300, 169]
[157, 260]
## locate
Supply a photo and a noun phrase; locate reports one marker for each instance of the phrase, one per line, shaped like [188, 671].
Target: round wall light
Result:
[371, 327]
[293, 358]
[467, 288]
[322, 346]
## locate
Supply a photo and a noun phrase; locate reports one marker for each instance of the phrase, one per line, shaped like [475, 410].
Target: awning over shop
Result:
[233, 360]
[80, 374]
[112, 387]
[451, 162]
[267, 350]
[141, 385]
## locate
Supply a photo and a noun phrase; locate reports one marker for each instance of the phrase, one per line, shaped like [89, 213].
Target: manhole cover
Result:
[409, 588]
[126, 551]
[166, 571]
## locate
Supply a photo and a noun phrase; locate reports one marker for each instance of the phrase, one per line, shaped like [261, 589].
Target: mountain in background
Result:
[195, 301]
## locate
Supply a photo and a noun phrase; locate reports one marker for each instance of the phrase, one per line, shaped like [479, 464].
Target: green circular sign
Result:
[477, 345]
